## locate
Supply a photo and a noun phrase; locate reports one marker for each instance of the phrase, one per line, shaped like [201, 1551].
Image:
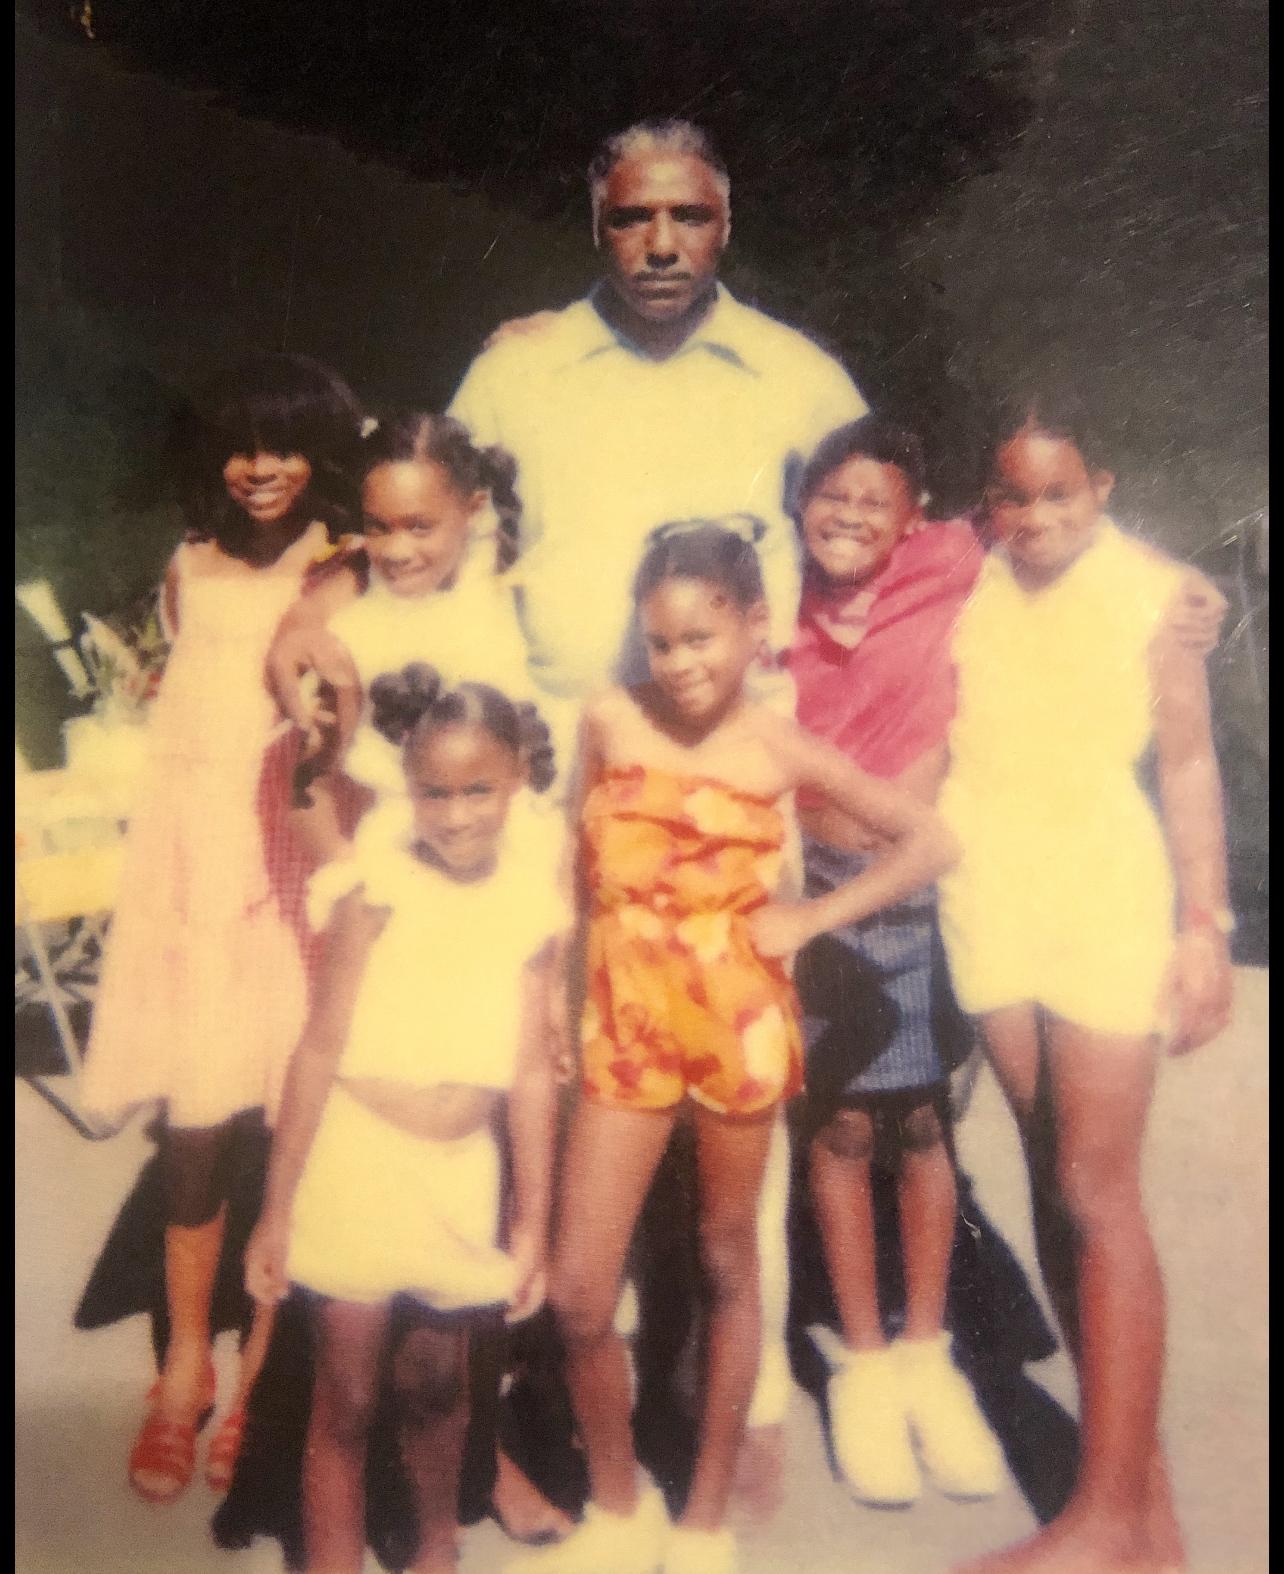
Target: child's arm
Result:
[589, 754]
[307, 1084]
[922, 777]
[302, 644]
[1190, 793]
[532, 1120]
[317, 823]
[918, 846]
[314, 810]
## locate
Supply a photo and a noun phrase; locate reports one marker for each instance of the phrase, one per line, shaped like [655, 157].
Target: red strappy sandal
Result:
[225, 1449]
[166, 1450]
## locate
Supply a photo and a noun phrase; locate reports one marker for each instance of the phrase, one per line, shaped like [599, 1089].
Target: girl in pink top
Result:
[871, 661]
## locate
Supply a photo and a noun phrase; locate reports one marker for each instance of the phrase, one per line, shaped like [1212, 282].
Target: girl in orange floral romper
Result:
[688, 996]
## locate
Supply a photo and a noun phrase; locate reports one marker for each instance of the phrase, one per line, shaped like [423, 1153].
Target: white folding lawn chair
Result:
[68, 845]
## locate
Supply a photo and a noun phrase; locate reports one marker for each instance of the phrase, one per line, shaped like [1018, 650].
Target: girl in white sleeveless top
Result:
[430, 1014]
[439, 521]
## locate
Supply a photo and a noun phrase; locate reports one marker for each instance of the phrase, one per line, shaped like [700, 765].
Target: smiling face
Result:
[855, 516]
[663, 226]
[415, 525]
[461, 780]
[1044, 503]
[266, 487]
[699, 644]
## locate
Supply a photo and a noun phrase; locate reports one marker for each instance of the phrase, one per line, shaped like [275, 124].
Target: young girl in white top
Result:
[1083, 927]
[430, 1011]
[439, 519]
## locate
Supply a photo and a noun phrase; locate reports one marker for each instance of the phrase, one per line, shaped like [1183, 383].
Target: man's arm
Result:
[520, 328]
[836, 401]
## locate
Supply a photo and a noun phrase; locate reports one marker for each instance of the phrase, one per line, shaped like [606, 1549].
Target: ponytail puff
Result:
[535, 742]
[411, 704]
[499, 475]
[400, 699]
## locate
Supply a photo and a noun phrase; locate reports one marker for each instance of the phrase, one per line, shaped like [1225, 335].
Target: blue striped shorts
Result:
[878, 1012]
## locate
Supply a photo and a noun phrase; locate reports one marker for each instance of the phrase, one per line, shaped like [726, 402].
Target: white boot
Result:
[868, 1424]
[605, 1543]
[957, 1448]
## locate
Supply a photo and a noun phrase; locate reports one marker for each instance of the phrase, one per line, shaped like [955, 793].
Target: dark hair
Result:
[272, 403]
[1058, 413]
[413, 703]
[719, 551]
[415, 436]
[872, 437]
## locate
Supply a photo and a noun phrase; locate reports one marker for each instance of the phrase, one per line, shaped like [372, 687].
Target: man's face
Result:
[663, 226]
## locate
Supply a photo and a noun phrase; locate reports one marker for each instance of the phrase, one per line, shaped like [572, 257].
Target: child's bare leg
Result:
[1056, 1244]
[1101, 1088]
[841, 1154]
[731, 1155]
[430, 1374]
[523, 1510]
[191, 1263]
[194, 1222]
[349, 1341]
[760, 1471]
[1012, 1040]
[927, 1201]
[595, 1226]
[1166, 1539]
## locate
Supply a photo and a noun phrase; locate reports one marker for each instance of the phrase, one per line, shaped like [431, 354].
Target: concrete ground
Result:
[79, 1394]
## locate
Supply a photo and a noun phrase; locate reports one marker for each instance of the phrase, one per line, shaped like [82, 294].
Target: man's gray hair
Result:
[654, 136]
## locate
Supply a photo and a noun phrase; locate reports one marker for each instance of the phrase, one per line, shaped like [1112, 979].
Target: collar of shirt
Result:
[725, 331]
[936, 562]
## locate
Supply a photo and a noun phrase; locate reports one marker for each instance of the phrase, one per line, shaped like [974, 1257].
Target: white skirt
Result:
[379, 1212]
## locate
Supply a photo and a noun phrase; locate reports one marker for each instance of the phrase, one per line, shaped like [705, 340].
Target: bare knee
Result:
[428, 1378]
[1099, 1191]
[729, 1257]
[921, 1130]
[344, 1406]
[584, 1307]
[848, 1134]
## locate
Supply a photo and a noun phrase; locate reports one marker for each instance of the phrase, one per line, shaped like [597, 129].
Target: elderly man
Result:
[657, 397]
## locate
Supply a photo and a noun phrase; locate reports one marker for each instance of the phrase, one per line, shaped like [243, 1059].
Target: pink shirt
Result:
[883, 693]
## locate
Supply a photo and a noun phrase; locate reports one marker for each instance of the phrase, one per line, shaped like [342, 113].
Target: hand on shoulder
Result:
[514, 328]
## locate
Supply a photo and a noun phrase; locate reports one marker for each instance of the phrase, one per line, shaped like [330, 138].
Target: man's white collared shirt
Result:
[611, 443]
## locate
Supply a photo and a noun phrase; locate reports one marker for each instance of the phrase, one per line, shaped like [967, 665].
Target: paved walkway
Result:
[78, 1394]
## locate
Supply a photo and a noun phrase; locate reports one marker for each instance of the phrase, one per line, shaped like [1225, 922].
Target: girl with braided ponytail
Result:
[439, 518]
[431, 1012]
